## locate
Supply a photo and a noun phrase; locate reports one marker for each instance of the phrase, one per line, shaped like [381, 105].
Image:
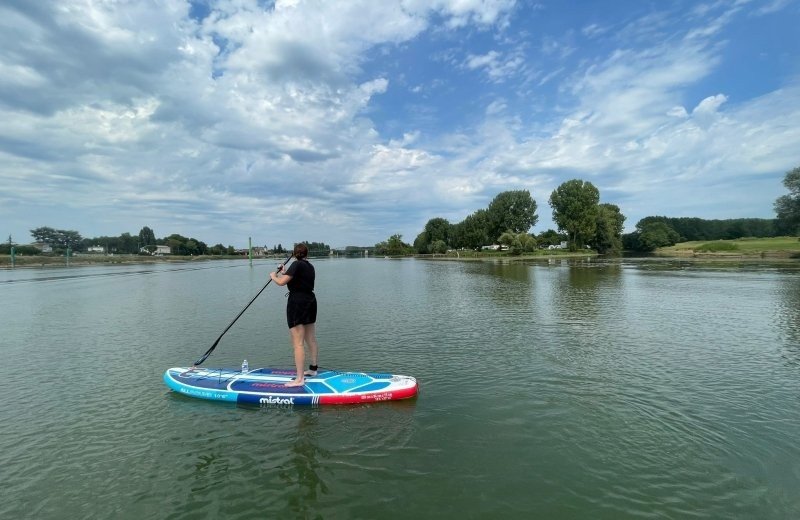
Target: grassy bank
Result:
[776, 247]
[489, 255]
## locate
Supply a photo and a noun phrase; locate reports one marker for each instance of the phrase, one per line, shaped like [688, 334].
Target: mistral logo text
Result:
[276, 400]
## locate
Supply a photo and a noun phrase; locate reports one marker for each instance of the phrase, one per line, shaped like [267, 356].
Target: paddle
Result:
[209, 351]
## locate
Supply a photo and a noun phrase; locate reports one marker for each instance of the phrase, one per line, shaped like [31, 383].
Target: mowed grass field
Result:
[783, 246]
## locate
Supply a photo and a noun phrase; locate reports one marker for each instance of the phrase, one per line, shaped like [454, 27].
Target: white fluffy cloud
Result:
[228, 119]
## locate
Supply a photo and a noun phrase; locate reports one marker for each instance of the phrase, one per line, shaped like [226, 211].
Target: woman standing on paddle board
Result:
[301, 311]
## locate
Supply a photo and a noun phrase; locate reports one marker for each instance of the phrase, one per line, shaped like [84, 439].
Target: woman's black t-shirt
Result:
[302, 273]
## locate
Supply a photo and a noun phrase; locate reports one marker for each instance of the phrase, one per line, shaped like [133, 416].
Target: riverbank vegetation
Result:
[583, 222]
[505, 223]
[51, 242]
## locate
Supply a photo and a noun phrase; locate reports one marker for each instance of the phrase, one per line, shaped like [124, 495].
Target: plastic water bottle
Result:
[245, 367]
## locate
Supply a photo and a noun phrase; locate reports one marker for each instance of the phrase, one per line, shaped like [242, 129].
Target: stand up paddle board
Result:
[266, 386]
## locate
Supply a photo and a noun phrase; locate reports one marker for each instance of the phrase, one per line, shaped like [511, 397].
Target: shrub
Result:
[714, 247]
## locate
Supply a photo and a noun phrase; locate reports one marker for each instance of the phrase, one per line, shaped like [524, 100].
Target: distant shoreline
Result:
[36, 261]
[782, 257]
[674, 253]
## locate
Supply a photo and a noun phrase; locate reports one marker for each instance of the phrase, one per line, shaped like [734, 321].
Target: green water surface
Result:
[561, 389]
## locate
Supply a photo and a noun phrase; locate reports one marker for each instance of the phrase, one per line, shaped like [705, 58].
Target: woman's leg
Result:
[297, 333]
[310, 336]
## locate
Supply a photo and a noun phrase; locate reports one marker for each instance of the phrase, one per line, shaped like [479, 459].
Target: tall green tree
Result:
[473, 231]
[57, 237]
[575, 210]
[788, 206]
[127, 243]
[608, 233]
[513, 211]
[147, 237]
[438, 229]
[421, 243]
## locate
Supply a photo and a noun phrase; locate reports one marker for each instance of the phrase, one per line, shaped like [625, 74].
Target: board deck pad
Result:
[266, 386]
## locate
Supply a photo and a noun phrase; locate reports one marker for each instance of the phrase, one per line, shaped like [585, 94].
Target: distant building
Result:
[43, 247]
[158, 251]
[95, 249]
[258, 251]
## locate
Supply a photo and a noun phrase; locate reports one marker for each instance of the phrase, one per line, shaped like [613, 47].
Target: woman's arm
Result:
[280, 278]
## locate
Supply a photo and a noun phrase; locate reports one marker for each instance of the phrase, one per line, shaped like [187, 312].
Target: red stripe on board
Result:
[393, 395]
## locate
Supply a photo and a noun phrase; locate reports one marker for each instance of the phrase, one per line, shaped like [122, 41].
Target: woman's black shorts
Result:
[301, 309]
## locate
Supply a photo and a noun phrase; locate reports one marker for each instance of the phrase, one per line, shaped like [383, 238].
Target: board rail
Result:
[267, 386]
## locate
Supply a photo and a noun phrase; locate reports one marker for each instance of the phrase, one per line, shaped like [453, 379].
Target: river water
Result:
[549, 389]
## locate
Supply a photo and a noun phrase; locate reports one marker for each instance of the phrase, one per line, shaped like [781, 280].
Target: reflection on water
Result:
[578, 293]
[302, 471]
[788, 317]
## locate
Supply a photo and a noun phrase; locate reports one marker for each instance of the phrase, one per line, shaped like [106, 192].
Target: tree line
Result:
[654, 232]
[61, 241]
[583, 221]
[145, 242]
[577, 211]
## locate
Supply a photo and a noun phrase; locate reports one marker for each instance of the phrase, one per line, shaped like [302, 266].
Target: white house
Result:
[44, 247]
[159, 250]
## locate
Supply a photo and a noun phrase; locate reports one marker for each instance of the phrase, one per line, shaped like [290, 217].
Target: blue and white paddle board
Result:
[267, 386]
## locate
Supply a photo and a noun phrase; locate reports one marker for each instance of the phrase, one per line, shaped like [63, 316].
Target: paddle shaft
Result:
[209, 351]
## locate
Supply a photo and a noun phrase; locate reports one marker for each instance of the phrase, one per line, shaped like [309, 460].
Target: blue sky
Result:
[346, 122]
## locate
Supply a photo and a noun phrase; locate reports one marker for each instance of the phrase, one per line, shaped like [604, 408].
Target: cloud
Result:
[592, 30]
[460, 13]
[498, 68]
[772, 6]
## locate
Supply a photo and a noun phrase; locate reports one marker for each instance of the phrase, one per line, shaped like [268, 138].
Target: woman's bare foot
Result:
[311, 373]
[295, 382]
